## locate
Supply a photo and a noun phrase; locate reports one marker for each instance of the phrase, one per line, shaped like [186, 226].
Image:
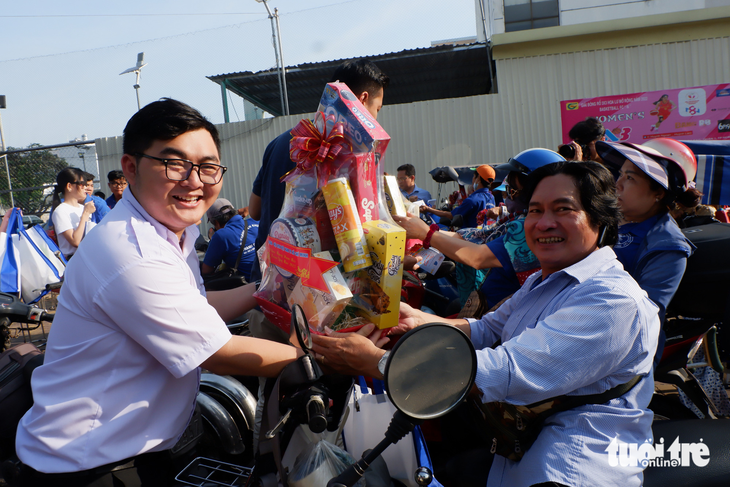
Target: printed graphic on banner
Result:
[696, 113]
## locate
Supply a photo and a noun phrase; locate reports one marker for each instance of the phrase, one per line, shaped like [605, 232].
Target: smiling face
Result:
[636, 198]
[175, 204]
[557, 228]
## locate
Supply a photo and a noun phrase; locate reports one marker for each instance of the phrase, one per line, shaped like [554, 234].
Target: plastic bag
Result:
[315, 467]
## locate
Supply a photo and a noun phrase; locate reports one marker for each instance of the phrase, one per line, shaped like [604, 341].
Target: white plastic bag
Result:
[370, 415]
[314, 468]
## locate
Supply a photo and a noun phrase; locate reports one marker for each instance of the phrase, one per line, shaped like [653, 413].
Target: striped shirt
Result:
[583, 330]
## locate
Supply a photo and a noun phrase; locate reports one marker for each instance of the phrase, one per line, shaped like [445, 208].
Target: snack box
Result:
[368, 140]
[393, 196]
[380, 284]
[322, 308]
[346, 225]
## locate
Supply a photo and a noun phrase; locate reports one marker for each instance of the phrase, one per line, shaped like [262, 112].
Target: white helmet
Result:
[678, 152]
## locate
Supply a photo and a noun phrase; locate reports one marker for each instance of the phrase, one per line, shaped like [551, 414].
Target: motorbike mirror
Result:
[430, 370]
[300, 323]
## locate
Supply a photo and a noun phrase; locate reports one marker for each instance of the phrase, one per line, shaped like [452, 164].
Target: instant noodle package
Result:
[334, 250]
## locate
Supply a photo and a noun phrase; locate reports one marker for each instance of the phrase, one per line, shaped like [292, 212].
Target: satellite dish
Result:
[136, 69]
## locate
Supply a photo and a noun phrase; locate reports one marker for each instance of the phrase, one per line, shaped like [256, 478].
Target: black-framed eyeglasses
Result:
[180, 169]
[118, 184]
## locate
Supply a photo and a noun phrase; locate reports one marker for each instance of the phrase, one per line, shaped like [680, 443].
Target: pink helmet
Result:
[678, 152]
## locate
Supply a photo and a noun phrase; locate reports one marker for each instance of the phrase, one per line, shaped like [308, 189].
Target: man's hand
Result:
[414, 226]
[408, 319]
[354, 353]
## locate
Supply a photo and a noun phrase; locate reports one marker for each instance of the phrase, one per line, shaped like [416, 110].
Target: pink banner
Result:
[698, 113]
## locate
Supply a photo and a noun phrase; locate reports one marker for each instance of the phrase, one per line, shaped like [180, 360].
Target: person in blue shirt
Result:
[581, 326]
[101, 207]
[116, 182]
[651, 245]
[479, 200]
[226, 241]
[407, 183]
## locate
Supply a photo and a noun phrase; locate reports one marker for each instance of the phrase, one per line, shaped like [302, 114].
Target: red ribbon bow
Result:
[312, 145]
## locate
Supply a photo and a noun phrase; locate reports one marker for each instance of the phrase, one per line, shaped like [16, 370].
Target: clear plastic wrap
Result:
[317, 466]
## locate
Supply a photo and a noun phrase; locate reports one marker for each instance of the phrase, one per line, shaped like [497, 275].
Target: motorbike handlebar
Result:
[316, 414]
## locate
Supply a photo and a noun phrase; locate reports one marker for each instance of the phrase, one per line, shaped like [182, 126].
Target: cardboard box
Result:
[369, 142]
[322, 308]
[377, 289]
[393, 196]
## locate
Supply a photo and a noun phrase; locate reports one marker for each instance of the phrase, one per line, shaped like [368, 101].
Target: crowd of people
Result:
[579, 272]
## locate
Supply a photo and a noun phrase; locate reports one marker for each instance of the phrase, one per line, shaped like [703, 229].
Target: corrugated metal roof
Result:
[444, 71]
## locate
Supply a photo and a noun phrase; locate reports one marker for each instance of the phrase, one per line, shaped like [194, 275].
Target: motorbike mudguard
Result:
[233, 396]
[222, 424]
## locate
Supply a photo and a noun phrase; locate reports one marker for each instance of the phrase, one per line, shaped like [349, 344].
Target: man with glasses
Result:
[116, 182]
[407, 183]
[134, 324]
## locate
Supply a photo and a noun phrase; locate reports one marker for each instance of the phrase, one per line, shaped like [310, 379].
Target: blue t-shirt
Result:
[226, 242]
[630, 237]
[479, 200]
[421, 193]
[268, 186]
[101, 208]
[111, 201]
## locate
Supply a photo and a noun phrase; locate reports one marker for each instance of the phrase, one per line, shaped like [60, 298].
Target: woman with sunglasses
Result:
[651, 247]
[71, 216]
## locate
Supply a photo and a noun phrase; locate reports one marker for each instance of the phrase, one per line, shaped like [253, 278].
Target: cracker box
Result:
[377, 292]
[393, 196]
[322, 308]
[369, 142]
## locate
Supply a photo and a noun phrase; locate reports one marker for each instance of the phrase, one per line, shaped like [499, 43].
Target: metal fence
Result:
[28, 176]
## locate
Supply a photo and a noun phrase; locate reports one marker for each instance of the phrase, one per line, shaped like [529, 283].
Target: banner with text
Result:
[699, 113]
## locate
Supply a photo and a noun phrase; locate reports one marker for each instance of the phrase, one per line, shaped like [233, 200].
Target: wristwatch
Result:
[382, 362]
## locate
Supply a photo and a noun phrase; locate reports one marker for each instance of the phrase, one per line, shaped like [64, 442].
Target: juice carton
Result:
[393, 196]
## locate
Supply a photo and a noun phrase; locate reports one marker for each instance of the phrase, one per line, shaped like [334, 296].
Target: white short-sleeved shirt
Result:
[67, 217]
[121, 368]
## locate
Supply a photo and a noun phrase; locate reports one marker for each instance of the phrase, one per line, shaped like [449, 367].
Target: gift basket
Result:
[334, 250]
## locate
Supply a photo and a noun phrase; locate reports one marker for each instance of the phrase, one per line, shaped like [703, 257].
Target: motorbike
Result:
[303, 397]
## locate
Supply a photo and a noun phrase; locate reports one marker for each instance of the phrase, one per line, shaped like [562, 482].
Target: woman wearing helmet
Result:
[502, 249]
[651, 246]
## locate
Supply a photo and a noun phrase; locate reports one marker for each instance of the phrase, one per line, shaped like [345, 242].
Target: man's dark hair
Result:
[587, 131]
[409, 169]
[361, 75]
[164, 119]
[100, 194]
[88, 176]
[114, 174]
[597, 191]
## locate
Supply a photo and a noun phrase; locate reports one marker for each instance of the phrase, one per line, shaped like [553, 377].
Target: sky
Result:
[60, 62]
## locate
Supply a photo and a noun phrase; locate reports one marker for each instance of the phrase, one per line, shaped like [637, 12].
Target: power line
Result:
[121, 15]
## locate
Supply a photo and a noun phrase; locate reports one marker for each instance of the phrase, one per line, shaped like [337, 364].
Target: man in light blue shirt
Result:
[581, 326]
[407, 183]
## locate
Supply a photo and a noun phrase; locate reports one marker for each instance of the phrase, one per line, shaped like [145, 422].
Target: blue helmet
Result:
[527, 161]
